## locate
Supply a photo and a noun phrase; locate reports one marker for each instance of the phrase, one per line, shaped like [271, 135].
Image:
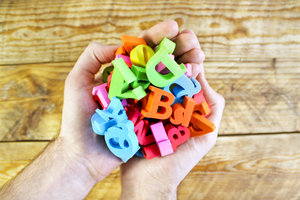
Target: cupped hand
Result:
[159, 177]
[79, 105]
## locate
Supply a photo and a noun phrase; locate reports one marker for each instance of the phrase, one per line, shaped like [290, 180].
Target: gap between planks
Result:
[227, 135]
[207, 59]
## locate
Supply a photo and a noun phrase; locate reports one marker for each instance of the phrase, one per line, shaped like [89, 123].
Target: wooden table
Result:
[252, 57]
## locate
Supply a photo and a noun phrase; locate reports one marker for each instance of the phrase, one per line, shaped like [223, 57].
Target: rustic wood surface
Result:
[252, 58]
[255, 167]
[55, 31]
[259, 97]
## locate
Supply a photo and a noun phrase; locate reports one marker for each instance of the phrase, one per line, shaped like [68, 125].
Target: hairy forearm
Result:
[145, 190]
[55, 174]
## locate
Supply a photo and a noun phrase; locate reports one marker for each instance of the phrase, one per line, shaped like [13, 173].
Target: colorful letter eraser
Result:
[141, 77]
[188, 72]
[182, 113]
[178, 112]
[102, 94]
[199, 97]
[124, 102]
[161, 138]
[125, 58]
[120, 50]
[140, 55]
[157, 108]
[161, 55]
[160, 67]
[100, 124]
[172, 96]
[183, 86]
[115, 110]
[200, 125]
[167, 44]
[109, 79]
[141, 129]
[177, 136]
[150, 151]
[121, 78]
[133, 115]
[129, 42]
[106, 72]
[104, 119]
[188, 104]
[139, 153]
[122, 141]
[202, 108]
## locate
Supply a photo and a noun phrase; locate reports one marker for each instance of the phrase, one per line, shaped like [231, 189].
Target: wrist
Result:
[147, 191]
[75, 162]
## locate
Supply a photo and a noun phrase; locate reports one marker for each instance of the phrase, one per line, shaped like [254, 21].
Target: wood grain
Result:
[262, 96]
[31, 100]
[55, 31]
[239, 167]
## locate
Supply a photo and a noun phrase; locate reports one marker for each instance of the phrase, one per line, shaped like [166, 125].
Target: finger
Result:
[155, 34]
[205, 142]
[194, 55]
[90, 61]
[185, 41]
[99, 74]
[196, 69]
[214, 99]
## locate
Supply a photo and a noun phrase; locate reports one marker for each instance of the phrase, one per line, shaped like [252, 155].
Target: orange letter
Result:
[129, 42]
[202, 108]
[200, 125]
[157, 108]
[182, 114]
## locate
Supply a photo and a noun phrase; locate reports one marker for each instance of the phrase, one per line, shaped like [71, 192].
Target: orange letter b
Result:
[156, 107]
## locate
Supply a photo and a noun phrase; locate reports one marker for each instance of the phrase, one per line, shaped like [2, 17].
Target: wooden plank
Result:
[44, 31]
[31, 100]
[239, 167]
[261, 95]
[14, 156]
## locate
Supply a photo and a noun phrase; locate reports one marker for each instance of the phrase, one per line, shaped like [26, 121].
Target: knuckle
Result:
[193, 40]
[195, 54]
[221, 100]
[212, 139]
[190, 31]
[189, 39]
[202, 55]
[93, 45]
[68, 80]
[71, 79]
[173, 26]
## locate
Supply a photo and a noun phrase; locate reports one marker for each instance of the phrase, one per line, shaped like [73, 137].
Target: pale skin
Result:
[74, 162]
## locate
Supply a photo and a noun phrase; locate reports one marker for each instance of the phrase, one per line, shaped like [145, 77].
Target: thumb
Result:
[216, 100]
[89, 62]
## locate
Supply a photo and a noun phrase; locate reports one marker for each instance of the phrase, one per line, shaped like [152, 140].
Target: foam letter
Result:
[122, 141]
[200, 125]
[183, 86]
[178, 135]
[121, 78]
[161, 138]
[157, 108]
[161, 55]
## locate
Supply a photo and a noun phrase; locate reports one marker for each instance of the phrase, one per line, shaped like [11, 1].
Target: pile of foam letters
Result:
[148, 103]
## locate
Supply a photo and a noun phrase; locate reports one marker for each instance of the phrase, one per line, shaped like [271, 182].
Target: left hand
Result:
[76, 133]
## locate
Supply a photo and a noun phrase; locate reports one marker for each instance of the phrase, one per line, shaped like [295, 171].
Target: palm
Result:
[79, 106]
[172, 168]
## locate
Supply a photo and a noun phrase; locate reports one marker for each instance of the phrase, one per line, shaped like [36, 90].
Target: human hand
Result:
[76, 134]
[158, 178]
